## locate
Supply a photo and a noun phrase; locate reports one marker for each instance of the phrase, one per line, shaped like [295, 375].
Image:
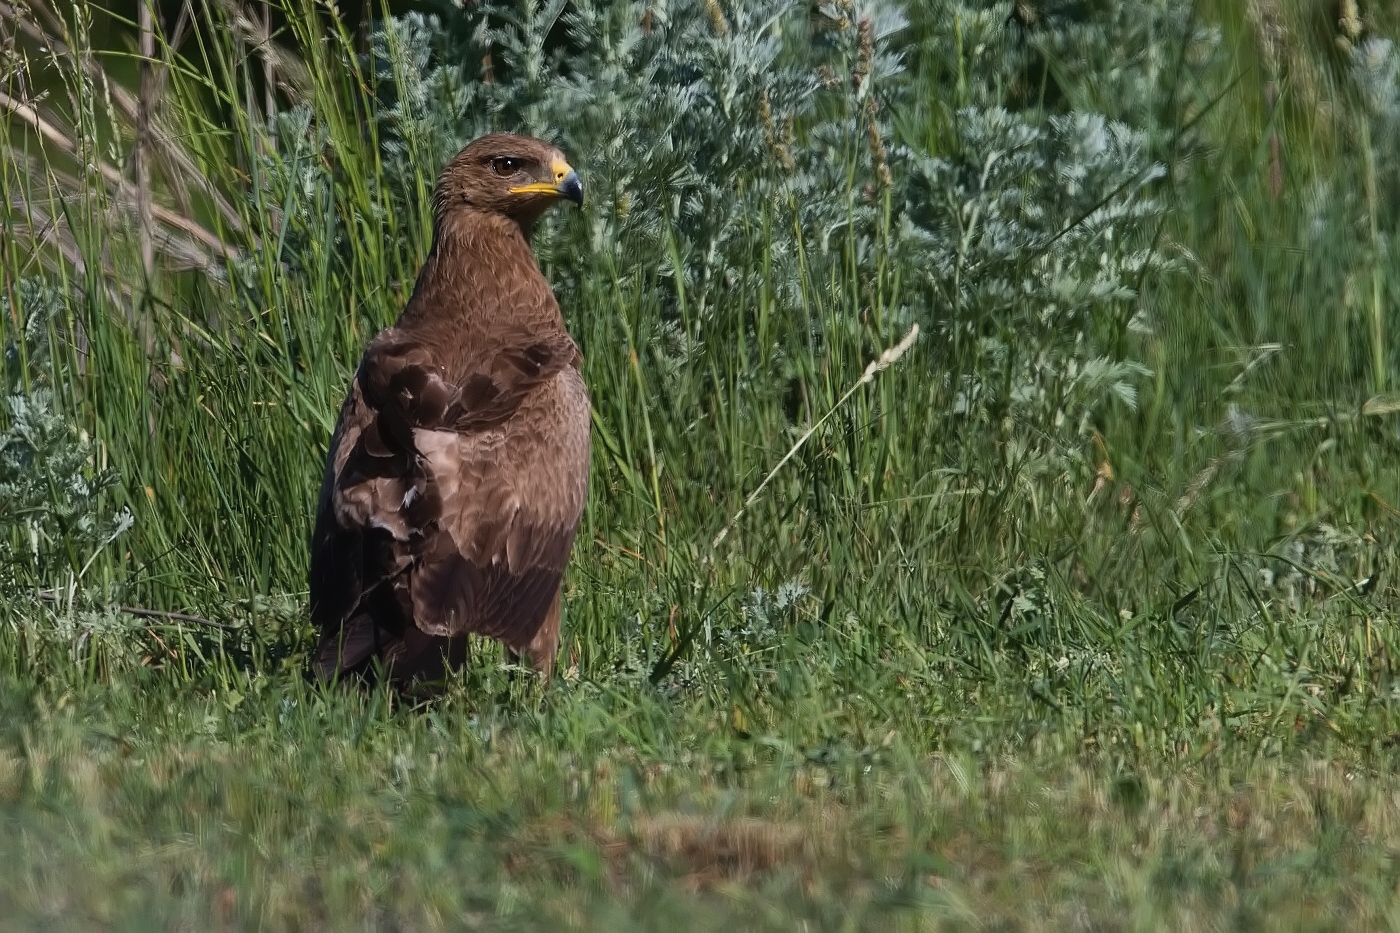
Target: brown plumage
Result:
[459, 467]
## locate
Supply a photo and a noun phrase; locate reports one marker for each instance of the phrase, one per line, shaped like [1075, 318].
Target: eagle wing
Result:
[449, 505]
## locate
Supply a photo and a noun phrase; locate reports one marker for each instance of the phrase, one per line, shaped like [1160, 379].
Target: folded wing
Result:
[448, 505]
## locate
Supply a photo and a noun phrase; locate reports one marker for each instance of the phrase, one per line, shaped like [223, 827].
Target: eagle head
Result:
[518, 176]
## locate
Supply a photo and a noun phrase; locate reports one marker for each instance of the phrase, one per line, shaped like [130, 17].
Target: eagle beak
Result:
[566, 184]
[570, 187]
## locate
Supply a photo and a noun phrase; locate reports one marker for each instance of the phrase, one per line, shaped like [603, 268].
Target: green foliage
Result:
[55, 519]
[1117, 532]
[50, 499]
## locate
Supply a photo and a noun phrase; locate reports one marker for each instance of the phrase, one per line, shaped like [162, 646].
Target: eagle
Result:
[458, 470]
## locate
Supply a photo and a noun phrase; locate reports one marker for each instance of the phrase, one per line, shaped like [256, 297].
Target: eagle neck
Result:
[480, 274]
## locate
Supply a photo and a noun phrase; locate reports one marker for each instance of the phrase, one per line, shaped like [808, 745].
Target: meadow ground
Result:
[1079, 614]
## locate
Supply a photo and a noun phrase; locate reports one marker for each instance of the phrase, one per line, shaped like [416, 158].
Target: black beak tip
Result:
[572, 188]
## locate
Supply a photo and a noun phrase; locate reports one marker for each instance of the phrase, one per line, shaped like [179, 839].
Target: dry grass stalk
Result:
[877, 366]
[288, 71]
[47, 30]
[141, 150]
[201, 242]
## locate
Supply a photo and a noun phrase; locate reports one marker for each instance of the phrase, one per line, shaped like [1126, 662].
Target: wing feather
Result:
[449, 505]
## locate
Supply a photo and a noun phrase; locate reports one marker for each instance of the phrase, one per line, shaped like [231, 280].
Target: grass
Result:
[1108, 658]
[283, 807]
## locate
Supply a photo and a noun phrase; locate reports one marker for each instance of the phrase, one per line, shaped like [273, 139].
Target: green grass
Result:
[606, 808]
[1120, 660]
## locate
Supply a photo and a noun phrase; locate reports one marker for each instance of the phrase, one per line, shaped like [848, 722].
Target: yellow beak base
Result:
[566, 184]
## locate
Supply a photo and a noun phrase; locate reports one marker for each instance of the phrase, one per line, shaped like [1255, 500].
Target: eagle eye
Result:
[504, 167]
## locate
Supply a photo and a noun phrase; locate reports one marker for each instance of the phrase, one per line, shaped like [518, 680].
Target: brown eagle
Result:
[459, 466]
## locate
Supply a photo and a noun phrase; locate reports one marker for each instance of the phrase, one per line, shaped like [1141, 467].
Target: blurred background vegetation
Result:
[1119, 527]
